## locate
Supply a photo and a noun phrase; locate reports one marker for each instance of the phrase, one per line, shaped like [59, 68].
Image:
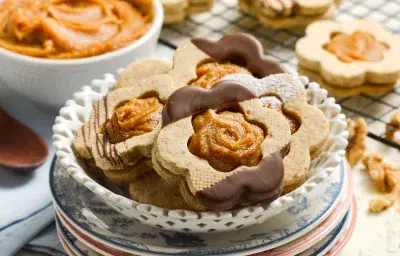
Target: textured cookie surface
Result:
[152, 189]
[288, 13]
[340, 92]
[203, 181]
[178, 10]
[129, 173]
[325, 50]
[113, 155]
[313, 126]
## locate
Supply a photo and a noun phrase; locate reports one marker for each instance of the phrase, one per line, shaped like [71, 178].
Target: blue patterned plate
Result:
[92, 217]
[337, 238]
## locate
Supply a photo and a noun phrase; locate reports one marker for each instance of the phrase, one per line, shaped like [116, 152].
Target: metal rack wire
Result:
[225, 17]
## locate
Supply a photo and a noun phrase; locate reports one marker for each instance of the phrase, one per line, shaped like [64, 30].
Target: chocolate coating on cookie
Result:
[187, 100]
[251, 185]
[241, 48]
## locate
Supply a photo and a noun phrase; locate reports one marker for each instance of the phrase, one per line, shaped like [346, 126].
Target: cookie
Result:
[288, 13]
[239, 52]
[142, 69]
[126, 122]
[133, 73]
[199, 6]
[174, 10]
[222, 146]
[178, 10]
[350, 54]
[153, 190]
[307, 135]
[130, 173]
[341, 92]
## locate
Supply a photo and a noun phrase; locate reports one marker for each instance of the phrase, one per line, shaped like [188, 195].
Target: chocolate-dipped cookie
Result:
[201, 59]
[221, 146]
[309, 126]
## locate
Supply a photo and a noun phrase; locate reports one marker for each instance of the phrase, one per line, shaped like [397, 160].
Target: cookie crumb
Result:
[358, 130]
[379, 204]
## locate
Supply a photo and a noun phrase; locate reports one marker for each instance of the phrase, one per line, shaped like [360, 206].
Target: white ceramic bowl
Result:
[51, 82]
[77, 110]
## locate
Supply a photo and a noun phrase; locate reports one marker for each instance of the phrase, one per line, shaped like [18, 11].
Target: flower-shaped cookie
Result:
[135, 72]
[238, 52]
[311, 130]
[350, 54]
[125, 123]
[222, 146]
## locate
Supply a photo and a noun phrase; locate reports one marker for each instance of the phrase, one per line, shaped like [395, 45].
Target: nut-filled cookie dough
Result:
[278, 14]
[358, 53]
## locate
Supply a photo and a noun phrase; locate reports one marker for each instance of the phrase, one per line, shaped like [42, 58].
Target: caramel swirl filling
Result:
[226, 140]
[210, 73]
[358, 46]
[66, 29]
[136, 117]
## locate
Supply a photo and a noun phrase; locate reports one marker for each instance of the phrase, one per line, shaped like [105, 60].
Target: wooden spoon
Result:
[20, 147]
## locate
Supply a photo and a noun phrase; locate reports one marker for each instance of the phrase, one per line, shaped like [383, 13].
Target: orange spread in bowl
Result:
[65, 29]
[357, 46]
[226, 140]
[136, 117]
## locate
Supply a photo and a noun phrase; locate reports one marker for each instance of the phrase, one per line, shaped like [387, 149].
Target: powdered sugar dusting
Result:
[284, 86]
[271, 101]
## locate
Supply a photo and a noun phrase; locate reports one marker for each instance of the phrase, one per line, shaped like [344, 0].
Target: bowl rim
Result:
[75, 170]
[156, 24]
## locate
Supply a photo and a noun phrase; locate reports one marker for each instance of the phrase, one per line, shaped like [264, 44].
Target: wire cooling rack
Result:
[225, 17]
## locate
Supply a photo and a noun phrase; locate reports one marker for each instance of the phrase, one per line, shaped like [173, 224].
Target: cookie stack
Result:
[289, 13]
[348, 58]
[221, 128]
[177, 10]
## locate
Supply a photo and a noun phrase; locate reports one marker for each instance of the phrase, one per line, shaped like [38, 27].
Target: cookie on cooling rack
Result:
[177, 10]
[289, 13]
[221, 146]
[309, 126]
[357, 56]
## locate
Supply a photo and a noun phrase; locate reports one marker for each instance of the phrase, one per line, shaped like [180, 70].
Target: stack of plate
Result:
[318, 223]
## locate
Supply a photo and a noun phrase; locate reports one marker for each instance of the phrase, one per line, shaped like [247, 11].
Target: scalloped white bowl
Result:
[77, 110]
